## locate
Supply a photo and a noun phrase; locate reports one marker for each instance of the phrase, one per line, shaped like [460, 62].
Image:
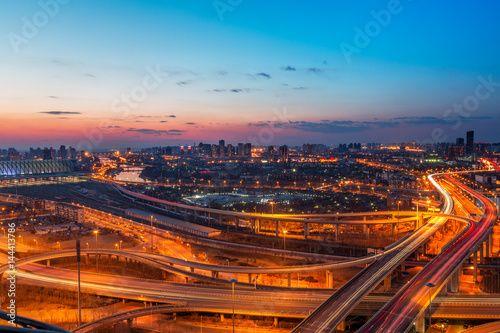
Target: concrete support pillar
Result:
[221, 317]
[403, 267]
[236, 221]
[475, 267]
[289, 279]
[329, 278]
[275, 321]
[387, 282]
[277, 229]
[220, 219]
[490, 238]
[394, 228]
[257, 226]
[486, 246]
[365, 227]
[191, 269]
[249, 277]
[481, 254]
[336, 232]
[209, 219]
[186, 279]
[420, 323]
[48, 262]
[453, 283]
[215, 274]
[252, 223]
[368, 230]
[341, 327]
[87, 259]
[129, 322]
[306, 230]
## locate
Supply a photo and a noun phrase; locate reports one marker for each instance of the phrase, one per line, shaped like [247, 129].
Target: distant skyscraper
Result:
[230, 150]
[63, 153]
[222, 149]
[241, 151]
[47, 153]
[460, 142]
[247, 150]
[284, 153]
[469, 148]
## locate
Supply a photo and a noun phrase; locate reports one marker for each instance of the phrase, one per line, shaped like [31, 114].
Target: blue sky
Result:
[229, 68]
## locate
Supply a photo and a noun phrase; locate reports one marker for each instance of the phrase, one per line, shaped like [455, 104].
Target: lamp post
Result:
[284, 245]
[233, 281]
[96, 254]
[418, 198]
[121, 244]
[152, 239]
[272, 207]
[430, 286]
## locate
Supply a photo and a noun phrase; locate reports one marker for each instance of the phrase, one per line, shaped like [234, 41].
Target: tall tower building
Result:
[469, 147]
[63, 153]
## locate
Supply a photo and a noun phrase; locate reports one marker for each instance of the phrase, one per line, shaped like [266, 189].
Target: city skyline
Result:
[284, 73]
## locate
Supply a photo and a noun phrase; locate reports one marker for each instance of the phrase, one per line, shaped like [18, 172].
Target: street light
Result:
[272, 207]
[284, 245]
[152, 239]
[121, 244]
[430, 285]
[96, 254]
[233, 281]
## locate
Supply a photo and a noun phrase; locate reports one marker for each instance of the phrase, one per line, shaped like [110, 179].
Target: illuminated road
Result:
[400, 313]
[330, 314]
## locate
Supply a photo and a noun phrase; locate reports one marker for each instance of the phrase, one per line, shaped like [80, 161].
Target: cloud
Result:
[190, 123]
[114, 127]
[171, 116]
[288, 68]
[267, 76]
[52, 96]
[60, 112]
[184, 83]
[149, 131]
[329, 126]
[163, 121]
[222, 72]
[300, 88]
[426, 120]
[218, 90]
[315, 70]
[236, 90]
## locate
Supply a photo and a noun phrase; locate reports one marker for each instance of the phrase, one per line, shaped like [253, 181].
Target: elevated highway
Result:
[331, 313]
[409, 304]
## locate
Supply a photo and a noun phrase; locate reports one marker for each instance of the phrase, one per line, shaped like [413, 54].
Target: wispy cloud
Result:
[149, 131]
[59, 112]
[315, 70]
[331, 126]
[265, 75]
[190, 123]
[288, 68]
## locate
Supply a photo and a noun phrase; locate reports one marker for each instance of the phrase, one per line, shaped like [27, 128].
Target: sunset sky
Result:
[102, 74]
